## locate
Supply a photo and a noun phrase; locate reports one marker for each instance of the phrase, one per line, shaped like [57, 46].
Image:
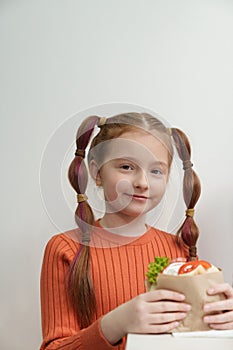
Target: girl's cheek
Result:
[159, 183]
[124, 186]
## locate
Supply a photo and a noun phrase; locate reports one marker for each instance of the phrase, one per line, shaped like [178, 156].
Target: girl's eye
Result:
[126, 167]
[157, 172]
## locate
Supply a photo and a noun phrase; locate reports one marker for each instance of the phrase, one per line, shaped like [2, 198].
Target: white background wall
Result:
[59, 57]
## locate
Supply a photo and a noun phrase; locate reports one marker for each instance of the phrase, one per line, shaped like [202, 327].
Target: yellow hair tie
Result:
[102, 121]
[190, 212]
[81, 197]
[169, 130]
[80, 152]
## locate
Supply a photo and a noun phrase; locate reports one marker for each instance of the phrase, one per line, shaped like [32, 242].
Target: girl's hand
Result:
[224, 319]
[157, 311]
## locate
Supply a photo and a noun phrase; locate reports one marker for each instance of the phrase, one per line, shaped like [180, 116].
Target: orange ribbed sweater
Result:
[118, 275]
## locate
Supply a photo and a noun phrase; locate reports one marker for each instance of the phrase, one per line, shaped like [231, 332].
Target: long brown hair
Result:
[80, 281]
[188, 231]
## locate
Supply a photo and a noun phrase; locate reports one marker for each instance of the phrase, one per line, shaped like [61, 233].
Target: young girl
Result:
[93, 277]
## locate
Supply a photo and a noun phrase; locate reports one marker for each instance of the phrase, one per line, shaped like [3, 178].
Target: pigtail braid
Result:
[80, 282]
[188, 231]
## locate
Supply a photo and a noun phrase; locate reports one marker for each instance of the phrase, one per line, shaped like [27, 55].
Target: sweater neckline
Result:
[103, 237]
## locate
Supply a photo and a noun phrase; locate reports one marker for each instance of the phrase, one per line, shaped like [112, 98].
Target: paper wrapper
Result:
[194, 288]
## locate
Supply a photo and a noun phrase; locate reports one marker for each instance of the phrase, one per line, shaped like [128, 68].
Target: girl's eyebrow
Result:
[136, 160]
[160, 162]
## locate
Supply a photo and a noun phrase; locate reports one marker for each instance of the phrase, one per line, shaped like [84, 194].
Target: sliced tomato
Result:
[192, 265]
[204, 263]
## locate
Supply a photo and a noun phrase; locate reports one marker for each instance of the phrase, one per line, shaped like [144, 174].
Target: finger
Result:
[163, 294]
[221, 326]
[224, 317]
[165, 317]
[221, 305]
[162, 328]
[167, 306]
[221, 288]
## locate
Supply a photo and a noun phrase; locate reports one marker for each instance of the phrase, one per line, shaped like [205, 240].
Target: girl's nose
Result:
[140, 180]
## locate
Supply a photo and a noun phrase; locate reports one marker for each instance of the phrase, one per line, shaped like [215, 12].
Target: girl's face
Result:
[134, 174]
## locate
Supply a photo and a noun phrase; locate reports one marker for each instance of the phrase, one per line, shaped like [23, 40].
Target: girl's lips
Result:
[137, 197]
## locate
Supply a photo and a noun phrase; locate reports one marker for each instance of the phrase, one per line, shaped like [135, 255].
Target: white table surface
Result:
[165, 342]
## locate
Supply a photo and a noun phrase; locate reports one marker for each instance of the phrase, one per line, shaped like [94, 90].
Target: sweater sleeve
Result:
[59, 323]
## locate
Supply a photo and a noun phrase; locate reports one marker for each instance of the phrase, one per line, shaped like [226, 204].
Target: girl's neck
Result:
[119, 225]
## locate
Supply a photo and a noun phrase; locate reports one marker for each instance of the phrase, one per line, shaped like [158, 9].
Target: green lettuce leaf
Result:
[155, 267]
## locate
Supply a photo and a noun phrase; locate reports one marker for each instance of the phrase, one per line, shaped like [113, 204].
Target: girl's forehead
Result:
[137, 146]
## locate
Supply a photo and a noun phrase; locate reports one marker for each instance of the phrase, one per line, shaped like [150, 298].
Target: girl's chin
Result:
[130, 214]
[136, 208]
